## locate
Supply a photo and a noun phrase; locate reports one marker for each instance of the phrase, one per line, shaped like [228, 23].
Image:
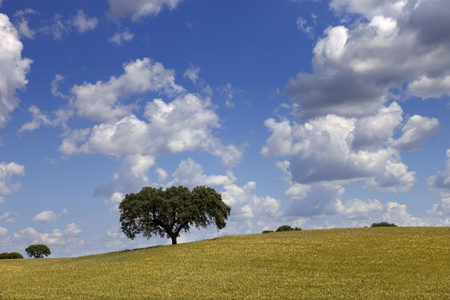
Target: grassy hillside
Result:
[364, 263]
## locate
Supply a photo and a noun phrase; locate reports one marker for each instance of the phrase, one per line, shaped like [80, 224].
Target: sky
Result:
[314, 114]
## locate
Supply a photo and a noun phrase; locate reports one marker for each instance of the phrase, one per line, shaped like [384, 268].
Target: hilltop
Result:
[361, 263]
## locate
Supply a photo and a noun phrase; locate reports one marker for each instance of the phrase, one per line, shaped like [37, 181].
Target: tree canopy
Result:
[38, 251]
[171, 211]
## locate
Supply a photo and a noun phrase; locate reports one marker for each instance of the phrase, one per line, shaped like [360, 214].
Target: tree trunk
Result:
[174, 240]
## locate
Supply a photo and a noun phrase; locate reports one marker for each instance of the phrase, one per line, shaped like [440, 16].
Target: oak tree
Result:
[171, 211]
[38, 251]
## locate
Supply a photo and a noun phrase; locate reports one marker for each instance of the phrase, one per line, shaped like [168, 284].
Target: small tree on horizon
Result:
[383, 224]
[38, 251]
[168, 212]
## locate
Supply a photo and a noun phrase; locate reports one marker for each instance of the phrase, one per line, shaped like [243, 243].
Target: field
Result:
[363, 263]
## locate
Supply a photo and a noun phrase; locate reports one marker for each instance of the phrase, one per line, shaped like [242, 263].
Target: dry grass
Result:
[364, 263]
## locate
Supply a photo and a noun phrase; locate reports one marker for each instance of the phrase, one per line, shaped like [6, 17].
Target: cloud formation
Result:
[356, 67]
[139, 9]
[13, 68]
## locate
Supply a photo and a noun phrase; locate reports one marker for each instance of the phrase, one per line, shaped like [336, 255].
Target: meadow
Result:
[358, 263]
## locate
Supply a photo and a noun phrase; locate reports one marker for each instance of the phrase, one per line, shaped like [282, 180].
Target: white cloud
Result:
[302, 26]
[192, 73]
[55, 86]
[57, 237]
[358, 209]
[440, 182]
[57, 27]
[114, 201]
[13, 69]
[9, 217]
[321, 150]
[49, 216]
[22, 23]
[190, 174]
[394, 179]
[40, 118]
[372, 132]
[131, 176]
[138, 9]
[7, 172]
[3, 231]
[426, 87]
[355, 68]
[82, 23]
[102, 101]
[416, 131]
[184, 124]
[249, 212]
[120, 37]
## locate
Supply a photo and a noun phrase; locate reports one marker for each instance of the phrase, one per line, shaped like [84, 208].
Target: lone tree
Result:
[168, 212]
[38, 251]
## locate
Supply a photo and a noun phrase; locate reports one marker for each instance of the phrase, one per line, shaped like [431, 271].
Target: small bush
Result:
[12, 255]
[383, 224]
[287, 228]
[267, 231]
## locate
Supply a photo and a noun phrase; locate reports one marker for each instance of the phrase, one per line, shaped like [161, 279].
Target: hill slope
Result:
[363, 263]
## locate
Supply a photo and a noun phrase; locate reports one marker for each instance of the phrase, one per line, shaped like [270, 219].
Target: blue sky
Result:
[316, 114]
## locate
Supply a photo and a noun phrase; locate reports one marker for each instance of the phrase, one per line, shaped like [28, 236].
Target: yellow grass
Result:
[364, 263]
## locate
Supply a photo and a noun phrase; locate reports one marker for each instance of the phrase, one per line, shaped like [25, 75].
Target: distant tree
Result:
[38, 251]
[171, 211]
[267, 231]
[383, 224]
[287, 228]
[12, 255]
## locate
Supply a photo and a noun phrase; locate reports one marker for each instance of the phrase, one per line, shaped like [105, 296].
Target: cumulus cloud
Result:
[57, 237]
[3, 231]
[119, 38]
[13, 68]
[184, 124]
[103, 101]
[49, 216]
[190, 174]
[416, 131]
[131, 176]
[138, 9]
[250, 213]
[40, 118]
[441, 181]
[356, 67]
[323, 150]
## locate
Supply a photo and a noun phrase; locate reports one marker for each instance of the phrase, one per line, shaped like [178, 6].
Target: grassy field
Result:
[363, 263]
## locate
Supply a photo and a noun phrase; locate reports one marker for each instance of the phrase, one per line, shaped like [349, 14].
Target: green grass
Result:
[363, 263]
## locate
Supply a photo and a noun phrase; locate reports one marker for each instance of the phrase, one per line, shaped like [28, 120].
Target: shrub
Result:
[383, 224]
[12, 255]
[267, 231]
[287, 228]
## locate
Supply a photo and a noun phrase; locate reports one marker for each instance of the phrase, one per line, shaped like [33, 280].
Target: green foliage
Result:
[383, 224]
[287, 228]
[171, 211]
[12, 255]
[38, 251]
[267, 231]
